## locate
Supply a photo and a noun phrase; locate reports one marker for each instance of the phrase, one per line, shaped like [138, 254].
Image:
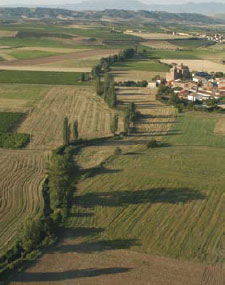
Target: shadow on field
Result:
[99, 170]
[77, 232]
[97, 246]
[126, 197]
[70, 274]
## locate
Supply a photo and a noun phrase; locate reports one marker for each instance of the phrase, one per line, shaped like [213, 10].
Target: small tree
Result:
[75, 130]
[98, 86]
[152, 143]
[66, 131]
[114, 125]
[83, 77]
[126, 124]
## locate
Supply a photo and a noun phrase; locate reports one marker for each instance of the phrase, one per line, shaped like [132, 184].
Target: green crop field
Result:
[8, 121]
[183, 54]
[167, 201]
[34, 42]
[40, 77]
[191, 43]
[32, 54]
[143, 65]
[196, 129]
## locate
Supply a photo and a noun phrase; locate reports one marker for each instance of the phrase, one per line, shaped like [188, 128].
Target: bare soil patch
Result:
[89, 263]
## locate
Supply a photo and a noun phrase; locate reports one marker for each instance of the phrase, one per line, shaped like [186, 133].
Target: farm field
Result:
[200, 65]
[77, 103]
[143, 216]
[31, 54]
[22, 174]
[134, 75]
[142, 65]
[160, 44]
[40, 77]
[157, 36]
[191, 43]
[198, 129]
[158, 201]
[20, 97]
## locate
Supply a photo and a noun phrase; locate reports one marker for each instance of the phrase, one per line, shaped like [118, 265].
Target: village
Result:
[195, 86]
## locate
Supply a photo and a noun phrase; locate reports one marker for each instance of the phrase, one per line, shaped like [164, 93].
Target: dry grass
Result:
[200, 65]
[21, 176]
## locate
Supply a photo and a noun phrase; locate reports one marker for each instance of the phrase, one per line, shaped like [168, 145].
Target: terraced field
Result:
[77, 103]
[21, 176]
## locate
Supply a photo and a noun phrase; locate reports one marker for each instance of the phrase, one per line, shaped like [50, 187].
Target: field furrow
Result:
[20, 191]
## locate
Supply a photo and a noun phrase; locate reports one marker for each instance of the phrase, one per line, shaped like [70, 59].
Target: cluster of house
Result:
[197, 86]
[218, 38]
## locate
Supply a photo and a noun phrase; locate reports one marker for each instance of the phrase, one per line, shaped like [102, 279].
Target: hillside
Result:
[140, 16]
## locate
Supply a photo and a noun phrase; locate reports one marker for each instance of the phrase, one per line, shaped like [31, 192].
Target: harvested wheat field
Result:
[199, 65]
[77, 103]
[21, 176]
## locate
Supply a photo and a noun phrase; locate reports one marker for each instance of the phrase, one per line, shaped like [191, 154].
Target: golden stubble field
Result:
[77, 103]
[22, 172]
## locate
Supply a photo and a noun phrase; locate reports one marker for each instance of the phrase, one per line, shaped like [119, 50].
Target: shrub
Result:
[117, 151]
[152, 143]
